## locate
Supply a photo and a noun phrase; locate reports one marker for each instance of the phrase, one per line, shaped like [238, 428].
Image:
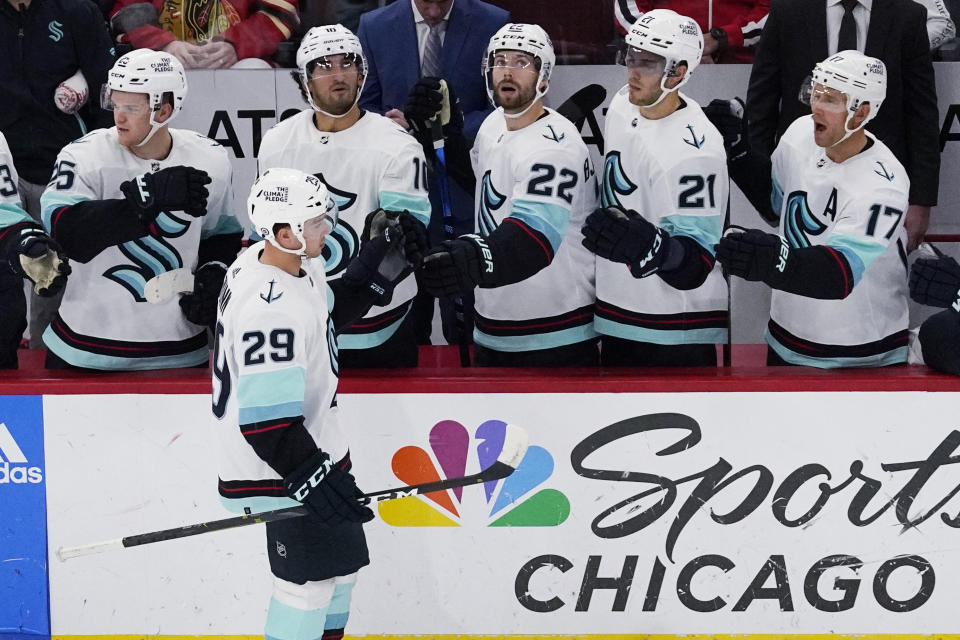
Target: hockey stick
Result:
[459, 314]
[514, 449]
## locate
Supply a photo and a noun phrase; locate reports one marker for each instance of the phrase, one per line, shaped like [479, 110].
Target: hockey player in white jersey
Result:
[535, 187]
[838, 266]
[275, 395]
[661, 299]
[136, 205]
[26, 251]
[368, 162]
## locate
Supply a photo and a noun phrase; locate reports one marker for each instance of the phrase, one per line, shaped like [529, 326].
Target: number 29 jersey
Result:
[274, 360]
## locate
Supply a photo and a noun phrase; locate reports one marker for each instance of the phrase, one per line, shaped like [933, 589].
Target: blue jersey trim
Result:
[257, 504]
[50, 201]
[417, 205]
[776, 193]
[250, 415]
[271, 394]
[78, 358]
[11, 214]
[894, 356]
[704, 229]
[713, 335]
[561, 338]
[551, 220]
[368, 340]
[859, 252]
[226, 224]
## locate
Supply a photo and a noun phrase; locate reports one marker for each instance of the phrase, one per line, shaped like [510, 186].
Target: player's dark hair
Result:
[297, 78]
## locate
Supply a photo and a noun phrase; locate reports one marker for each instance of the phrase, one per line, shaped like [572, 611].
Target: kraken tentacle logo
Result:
[343, 244]
[151, 255]
[490, 201]
[800, 223]
[615, 181]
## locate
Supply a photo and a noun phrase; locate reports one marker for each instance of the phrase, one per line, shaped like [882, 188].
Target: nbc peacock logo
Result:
[519, 500]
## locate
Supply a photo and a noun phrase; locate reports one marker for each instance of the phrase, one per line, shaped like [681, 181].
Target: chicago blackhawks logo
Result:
[615, 181]
[343, 243]
[151, 255]
[490, 201]
[799, 223]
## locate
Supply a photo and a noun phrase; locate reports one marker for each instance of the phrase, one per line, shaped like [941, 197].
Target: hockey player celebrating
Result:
[664, 192]
[368, 162]
[838, 267]
[26, 251]
[935, 281]
[136, 206]
[274, 394]
[535, 186]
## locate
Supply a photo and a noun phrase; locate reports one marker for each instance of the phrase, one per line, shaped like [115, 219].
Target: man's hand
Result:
[42, 261]
[397, 116]
[918, 219]
[457, 266]
[172, 189]
[200, 307]
[626, 237]
[330, 494]
[936, 282]
[188, 54]
[754, 255]
[217, 55]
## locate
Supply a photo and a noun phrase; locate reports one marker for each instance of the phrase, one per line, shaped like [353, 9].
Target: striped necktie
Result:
[430, 64]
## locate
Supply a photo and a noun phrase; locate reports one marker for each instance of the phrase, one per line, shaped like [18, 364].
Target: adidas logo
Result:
[13, 464]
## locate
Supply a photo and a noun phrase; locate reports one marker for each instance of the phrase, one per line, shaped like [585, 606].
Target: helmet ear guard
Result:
[154, 73]
[292, 197]
[530, 39]
[329, 40]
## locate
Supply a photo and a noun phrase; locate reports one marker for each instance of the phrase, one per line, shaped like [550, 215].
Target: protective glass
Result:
[641, 61]
[821, 97]
[131, 106]
[518, 62]
[331, 65]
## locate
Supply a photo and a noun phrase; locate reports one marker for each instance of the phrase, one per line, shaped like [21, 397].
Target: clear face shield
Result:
[131, 104]
[520, 64]
[822, 97]
[640, 61]
[332, 65]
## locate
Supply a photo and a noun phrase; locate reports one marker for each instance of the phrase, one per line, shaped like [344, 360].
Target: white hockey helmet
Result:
[154, 73]
[528, 38]
[329, 40]
[860, 78]
[289, 196]
[676, 38]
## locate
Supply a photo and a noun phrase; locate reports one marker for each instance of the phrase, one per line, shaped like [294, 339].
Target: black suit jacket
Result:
[795, 39]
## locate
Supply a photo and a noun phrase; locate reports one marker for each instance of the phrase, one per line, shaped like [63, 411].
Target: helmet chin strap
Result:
[154, 127]
[664, 91]
[327, 113]
[302, 251]
[514, 116]
[848, 131]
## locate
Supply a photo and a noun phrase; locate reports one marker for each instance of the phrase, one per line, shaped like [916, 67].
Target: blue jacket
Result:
[389, 39]
[39, 49]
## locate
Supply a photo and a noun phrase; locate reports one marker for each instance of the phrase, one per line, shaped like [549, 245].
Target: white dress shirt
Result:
[861, 15]
[423, 29]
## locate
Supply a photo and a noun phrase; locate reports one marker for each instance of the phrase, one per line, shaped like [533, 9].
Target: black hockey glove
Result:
[172, 189]
[381, 262]
[200, 307]
[427, 101]
[415, 242]
[754, 255]
[727, 117]
[457, 266]
[936, 282]
[330, 494]
[41, 260]
[627, 237]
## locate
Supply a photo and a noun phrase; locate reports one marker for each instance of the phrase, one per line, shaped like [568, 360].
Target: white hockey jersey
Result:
[372, 164]
[275, 358]
[857, 208]
[672, 171]
[542, 176]
[104, 320]
[11, 208]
